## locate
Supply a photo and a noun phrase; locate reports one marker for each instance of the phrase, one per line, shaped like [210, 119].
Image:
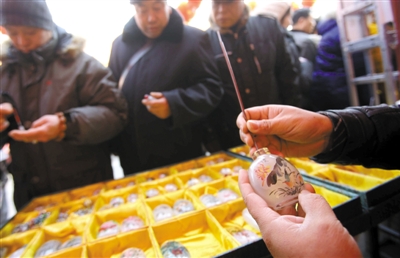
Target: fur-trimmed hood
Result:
[68, 47]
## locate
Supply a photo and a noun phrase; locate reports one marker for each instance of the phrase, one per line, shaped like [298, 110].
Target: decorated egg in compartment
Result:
[75, 241]
[47, 248]
[174, 249]
[20, 228]
[210, 163]
[236, 169]
[249, 219]
[226, 171]
[131, 223]
[170, 188]
[108, 228]
[130, 184]
[162, 175]
[62, 216]
[31, 224]
[149, 179]
[96, 192]
[132, 197]
[182, 206]
[117, 201]
[215, 161]
[162, 211]
[226, 195]
[275, 179]
[86, 209]
[152, 192]
[133, 253]
[205, 178]
[209, 200]
[243, 236]
[192, 181]
[17, 253]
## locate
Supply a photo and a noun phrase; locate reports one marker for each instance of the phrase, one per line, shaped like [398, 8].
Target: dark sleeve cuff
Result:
[72, 128]
[337, 140]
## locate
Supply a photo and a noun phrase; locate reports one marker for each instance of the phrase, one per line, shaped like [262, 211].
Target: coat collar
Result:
[172, 32]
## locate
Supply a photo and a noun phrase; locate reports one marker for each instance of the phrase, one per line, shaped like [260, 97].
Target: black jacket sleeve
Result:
[370, 137]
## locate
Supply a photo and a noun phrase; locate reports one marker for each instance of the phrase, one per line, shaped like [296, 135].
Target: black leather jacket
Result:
[368, 136]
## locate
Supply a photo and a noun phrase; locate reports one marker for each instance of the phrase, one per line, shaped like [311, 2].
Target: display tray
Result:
[84, 211]
[375, 194]
[371, 184]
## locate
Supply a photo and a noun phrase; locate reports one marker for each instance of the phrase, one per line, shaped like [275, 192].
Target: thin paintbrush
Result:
[228, 62]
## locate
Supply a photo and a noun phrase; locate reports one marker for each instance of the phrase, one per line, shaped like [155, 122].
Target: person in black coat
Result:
[260, 61]
[169, 89]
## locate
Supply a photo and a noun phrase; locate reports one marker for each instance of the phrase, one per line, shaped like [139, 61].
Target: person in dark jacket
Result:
[260, 61]
[62, 105]
[179, 78]
[365, 135]
[329, 89]
[282, 12]
[303, 26]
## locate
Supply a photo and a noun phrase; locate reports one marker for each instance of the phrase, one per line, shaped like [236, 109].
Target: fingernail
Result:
[252, 124]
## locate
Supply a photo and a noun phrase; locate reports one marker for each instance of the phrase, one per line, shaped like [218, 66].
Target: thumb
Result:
[156, 95]
[41, 121]
[315, 207]
[6, 109]
[259, 126]
[267, 126]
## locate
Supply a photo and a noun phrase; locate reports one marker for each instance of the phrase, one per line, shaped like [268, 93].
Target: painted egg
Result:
[182, 206]
[174, 249]
[226, 195]
[75, 241]
[131, 223]
[162, 211]
[47, 248]
[133, 253]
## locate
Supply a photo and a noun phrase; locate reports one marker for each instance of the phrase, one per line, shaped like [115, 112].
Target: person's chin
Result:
[153, 34]
[25, 51]
[224, 24]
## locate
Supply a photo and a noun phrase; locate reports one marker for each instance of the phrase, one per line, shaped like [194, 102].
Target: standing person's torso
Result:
[252, 52]
[172, 66]
[46, 85]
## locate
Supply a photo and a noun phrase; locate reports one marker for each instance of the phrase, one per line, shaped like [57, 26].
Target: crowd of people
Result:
[167, 95]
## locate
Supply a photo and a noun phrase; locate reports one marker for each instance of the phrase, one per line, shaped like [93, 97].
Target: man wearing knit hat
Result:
[281, 11]
[58, 105]
[260, 61]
